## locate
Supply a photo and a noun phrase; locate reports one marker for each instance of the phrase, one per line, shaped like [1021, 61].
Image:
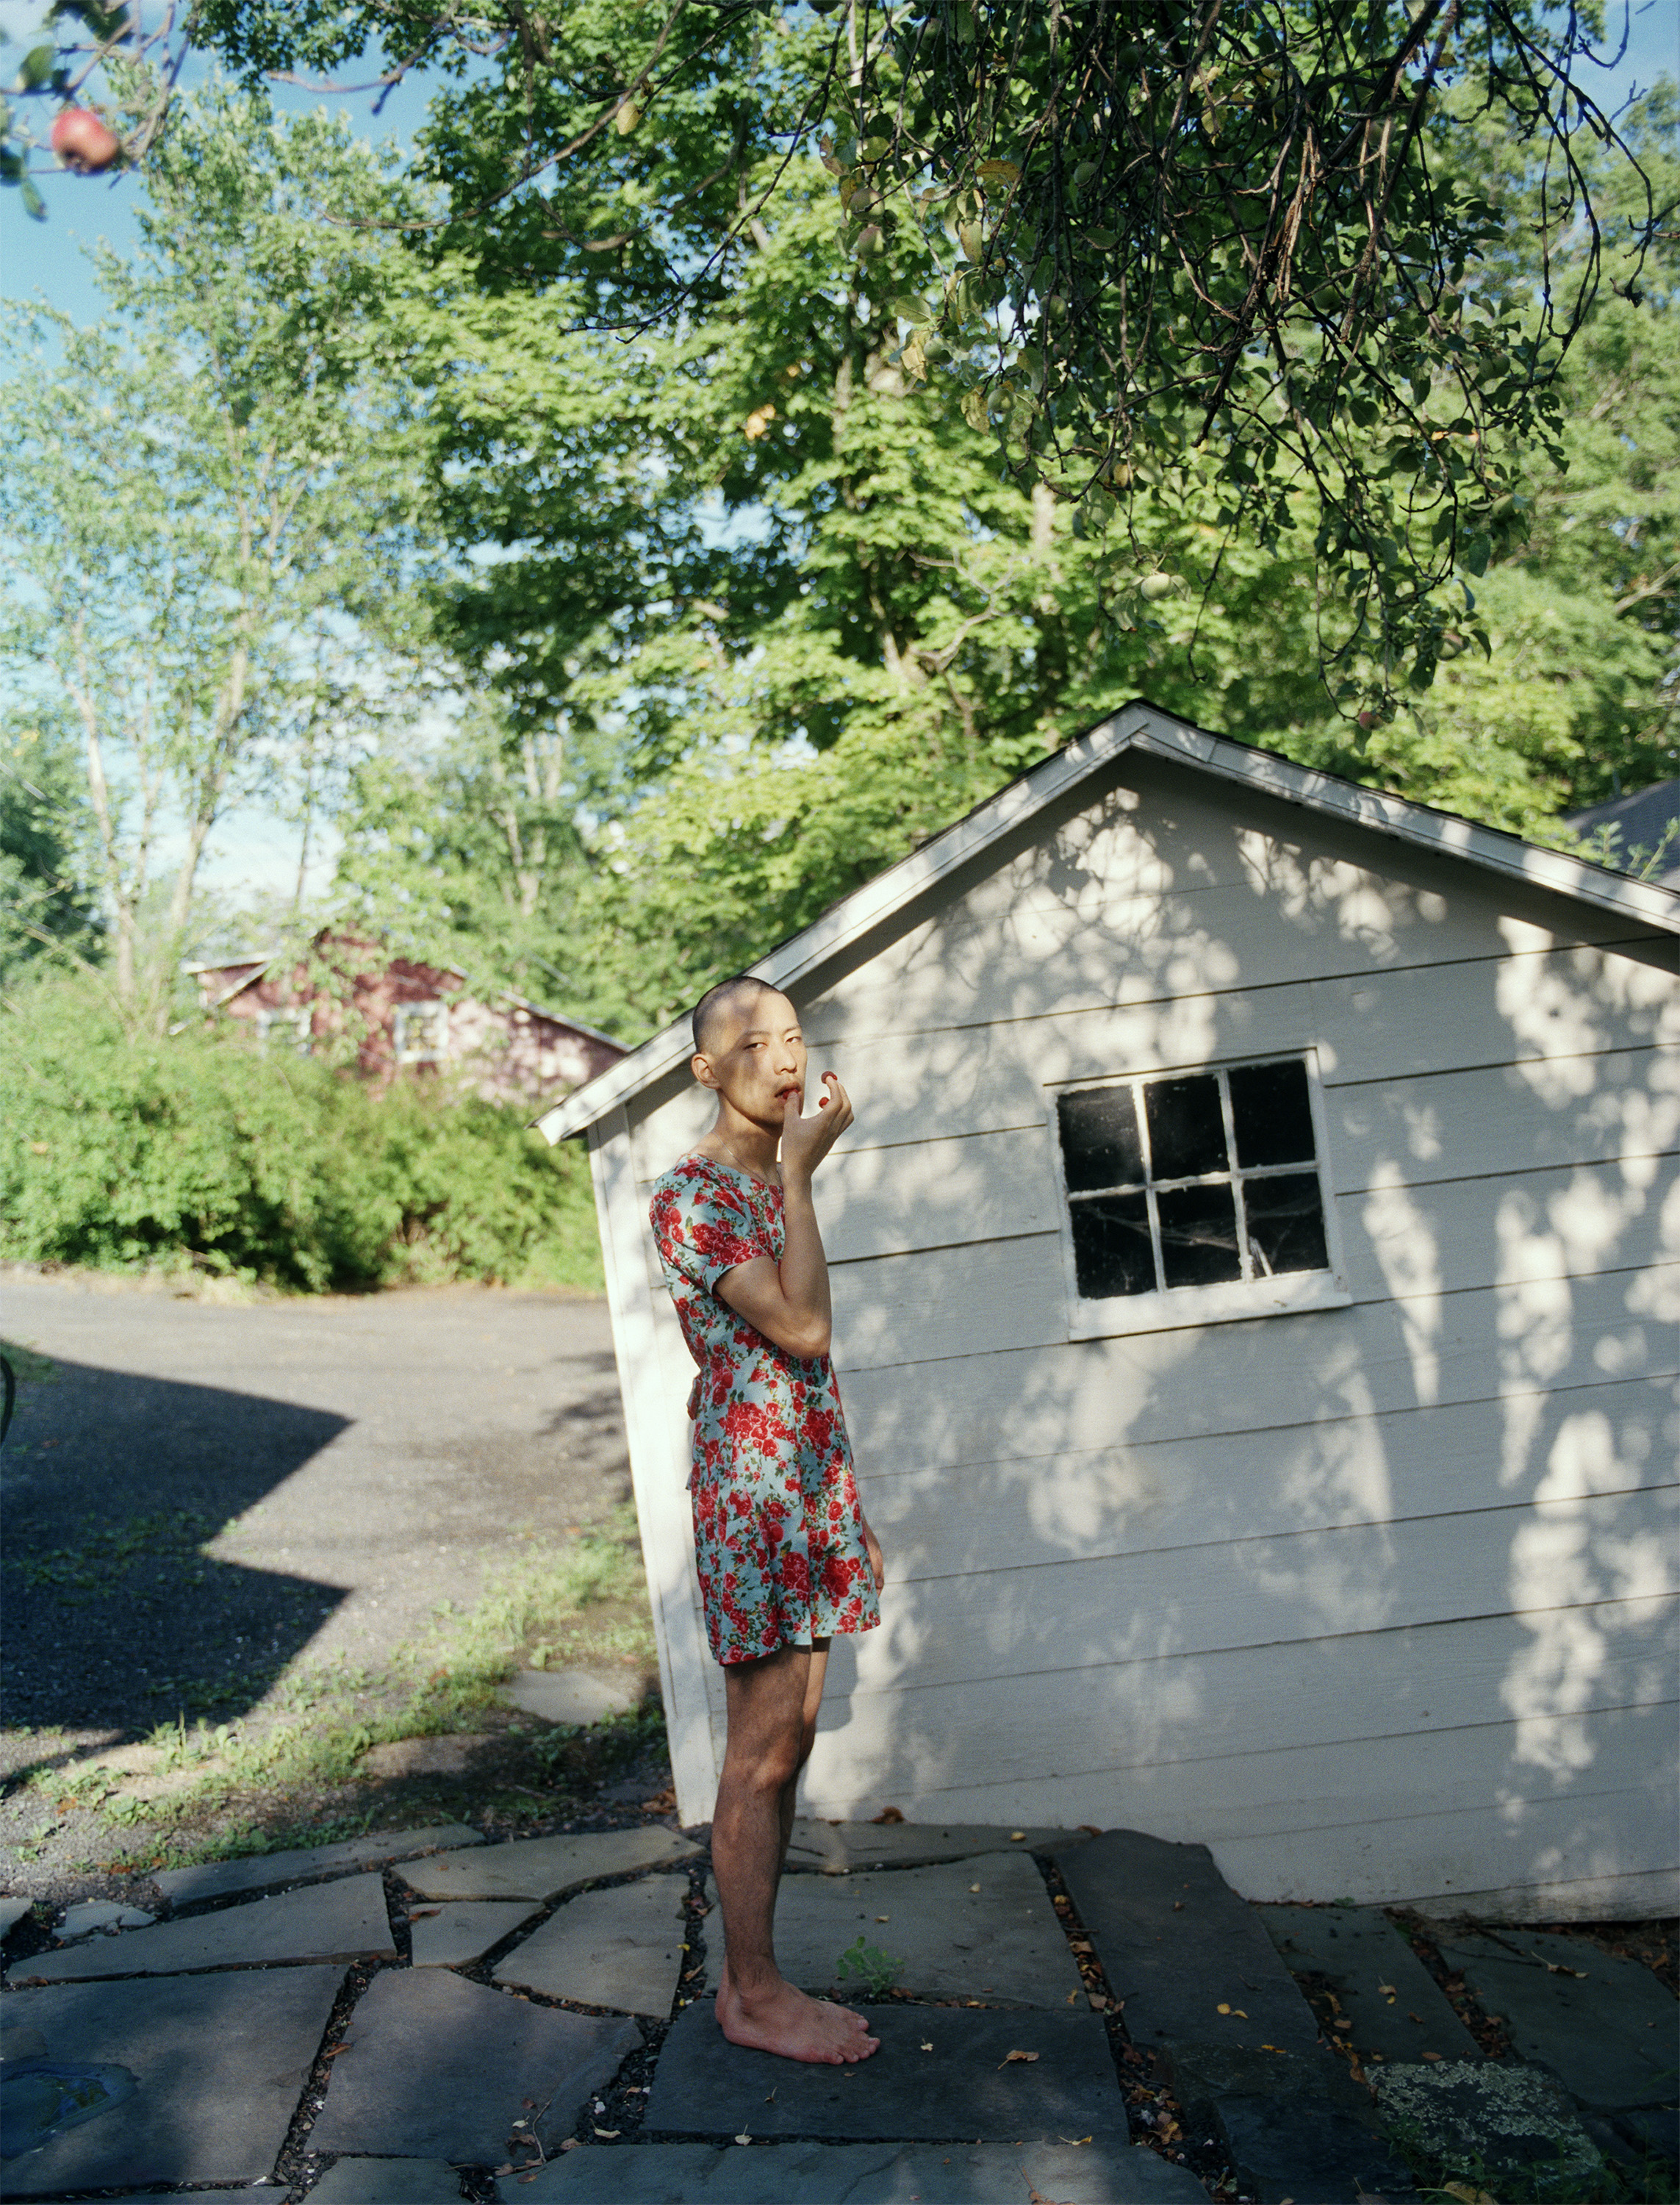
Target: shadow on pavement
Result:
[113, 1617]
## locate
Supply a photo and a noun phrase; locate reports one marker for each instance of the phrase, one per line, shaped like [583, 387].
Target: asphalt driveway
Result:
[351, 1462]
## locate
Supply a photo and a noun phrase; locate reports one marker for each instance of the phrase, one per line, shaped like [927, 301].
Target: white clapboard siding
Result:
[1271, 1791]
[1192, 902]
[1050, 1615]
[1096, 1393]
[942, 1519]
[1547, 1012]
[879, 1201]
[1450, 1237]
[1547, 1673]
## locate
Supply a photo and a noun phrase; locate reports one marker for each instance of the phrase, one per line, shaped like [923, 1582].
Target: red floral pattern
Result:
[777, 1533]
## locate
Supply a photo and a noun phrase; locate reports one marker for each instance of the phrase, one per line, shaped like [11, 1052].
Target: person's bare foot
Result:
[785, 2021]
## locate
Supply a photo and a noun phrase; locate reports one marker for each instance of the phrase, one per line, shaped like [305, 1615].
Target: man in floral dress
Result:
[785, 1555]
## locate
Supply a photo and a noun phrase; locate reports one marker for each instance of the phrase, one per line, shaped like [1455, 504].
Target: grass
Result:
[259, 1779]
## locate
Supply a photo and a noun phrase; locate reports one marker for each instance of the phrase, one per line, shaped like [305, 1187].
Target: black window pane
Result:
[1186, 1127]
[1285, 1223]
[1272, 1114]
[1101, 1145]
[1110, 1246]
[1198, 1236]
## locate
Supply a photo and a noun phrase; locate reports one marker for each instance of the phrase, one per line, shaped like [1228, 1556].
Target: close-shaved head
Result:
[737, 991]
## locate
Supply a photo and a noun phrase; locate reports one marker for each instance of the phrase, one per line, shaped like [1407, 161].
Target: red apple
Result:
[82, 142]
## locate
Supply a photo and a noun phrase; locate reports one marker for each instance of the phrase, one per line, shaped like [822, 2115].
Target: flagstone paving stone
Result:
[1297, 2125]
[543, 1868]
[839, 1847]
[92, 1914]
[866, 2174]
[1394, 2007]
[453, 1936]
[440, 2068]
[12, 1912]
[982, 1928]
[962, 2085]
[268, 1871]
[1505, 2124]
[570, 1695]
[621, 1948]
[1189, 1957]
[1606, 2029]
[388, 2182]
[341, 1921]
[221, 2062]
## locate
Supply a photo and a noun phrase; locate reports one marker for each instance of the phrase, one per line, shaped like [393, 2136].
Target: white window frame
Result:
[271, 1025]
[1169, 1308]
[433, 1007]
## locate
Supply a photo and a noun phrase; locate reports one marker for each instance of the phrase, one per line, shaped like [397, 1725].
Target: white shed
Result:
[1256, 1285]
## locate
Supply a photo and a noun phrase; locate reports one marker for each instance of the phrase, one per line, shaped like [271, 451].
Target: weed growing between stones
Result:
[875, 1969]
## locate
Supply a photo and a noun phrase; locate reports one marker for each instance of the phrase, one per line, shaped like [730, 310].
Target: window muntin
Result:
[290, 1029]
[1192, 1179]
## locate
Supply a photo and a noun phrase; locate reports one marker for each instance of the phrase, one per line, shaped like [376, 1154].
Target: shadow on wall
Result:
[114, 1620]
[1375, 1599]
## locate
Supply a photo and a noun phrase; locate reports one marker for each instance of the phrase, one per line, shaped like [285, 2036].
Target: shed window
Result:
[1203, 1179]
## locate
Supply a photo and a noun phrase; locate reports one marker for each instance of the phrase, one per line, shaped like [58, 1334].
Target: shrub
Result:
[197, 1148]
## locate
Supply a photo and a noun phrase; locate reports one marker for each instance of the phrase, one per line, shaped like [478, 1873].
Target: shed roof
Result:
[1137, 726]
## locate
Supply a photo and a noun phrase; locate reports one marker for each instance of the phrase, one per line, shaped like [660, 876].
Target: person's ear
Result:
[701, 1066]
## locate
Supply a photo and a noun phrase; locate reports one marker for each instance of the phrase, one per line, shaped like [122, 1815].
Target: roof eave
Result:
[1135, 726]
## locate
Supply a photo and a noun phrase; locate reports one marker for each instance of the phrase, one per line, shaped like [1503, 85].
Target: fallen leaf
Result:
[1015, 1836]
[503, 2170]
[1010, 2056]
[1178, 1906]
[744, 2137]
[974, 1887]
[1432, 2055]
[423, 1913]
[926, 2045]
[1468, 2195]
[888, 1814]
[570, 2144]
[1236, 2011]
[608, 2133]
[771, 2099]
[1387, 1990]
[1071, 1996]
[1417, 2017]
[883, 1918]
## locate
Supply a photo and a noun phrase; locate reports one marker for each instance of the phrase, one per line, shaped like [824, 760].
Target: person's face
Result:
[755, 1055]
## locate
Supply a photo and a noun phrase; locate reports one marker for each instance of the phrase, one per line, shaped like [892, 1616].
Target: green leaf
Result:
[38, 64]
[33, 205]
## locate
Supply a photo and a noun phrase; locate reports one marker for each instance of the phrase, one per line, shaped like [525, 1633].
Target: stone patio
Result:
[204, 2035]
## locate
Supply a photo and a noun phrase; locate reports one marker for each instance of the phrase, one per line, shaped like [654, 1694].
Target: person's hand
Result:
[806, 1141]
[872, 1547]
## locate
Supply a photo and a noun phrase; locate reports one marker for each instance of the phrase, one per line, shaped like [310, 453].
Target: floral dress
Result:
[777, 1533]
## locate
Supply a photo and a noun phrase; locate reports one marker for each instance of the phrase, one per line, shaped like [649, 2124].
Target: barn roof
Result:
[1136, 726]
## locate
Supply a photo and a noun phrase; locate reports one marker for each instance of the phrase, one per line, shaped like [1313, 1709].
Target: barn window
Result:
[286, 1029]
[420, 1032]
[1202, 1190]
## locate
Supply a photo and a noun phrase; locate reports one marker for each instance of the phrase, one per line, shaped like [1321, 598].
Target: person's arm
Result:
[789, 1302]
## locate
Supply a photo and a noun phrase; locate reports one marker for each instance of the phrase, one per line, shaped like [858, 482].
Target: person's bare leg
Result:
[814, 1678]
[755, 2006]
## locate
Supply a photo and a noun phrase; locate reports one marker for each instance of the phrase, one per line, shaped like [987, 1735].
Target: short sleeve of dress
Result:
[704, 1229]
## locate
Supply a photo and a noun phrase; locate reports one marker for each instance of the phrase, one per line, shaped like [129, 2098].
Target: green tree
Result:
[43, 905]
[203, 487]
[1238, 238]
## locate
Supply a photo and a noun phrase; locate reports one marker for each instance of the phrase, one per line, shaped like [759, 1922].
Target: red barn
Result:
[405, 1015]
